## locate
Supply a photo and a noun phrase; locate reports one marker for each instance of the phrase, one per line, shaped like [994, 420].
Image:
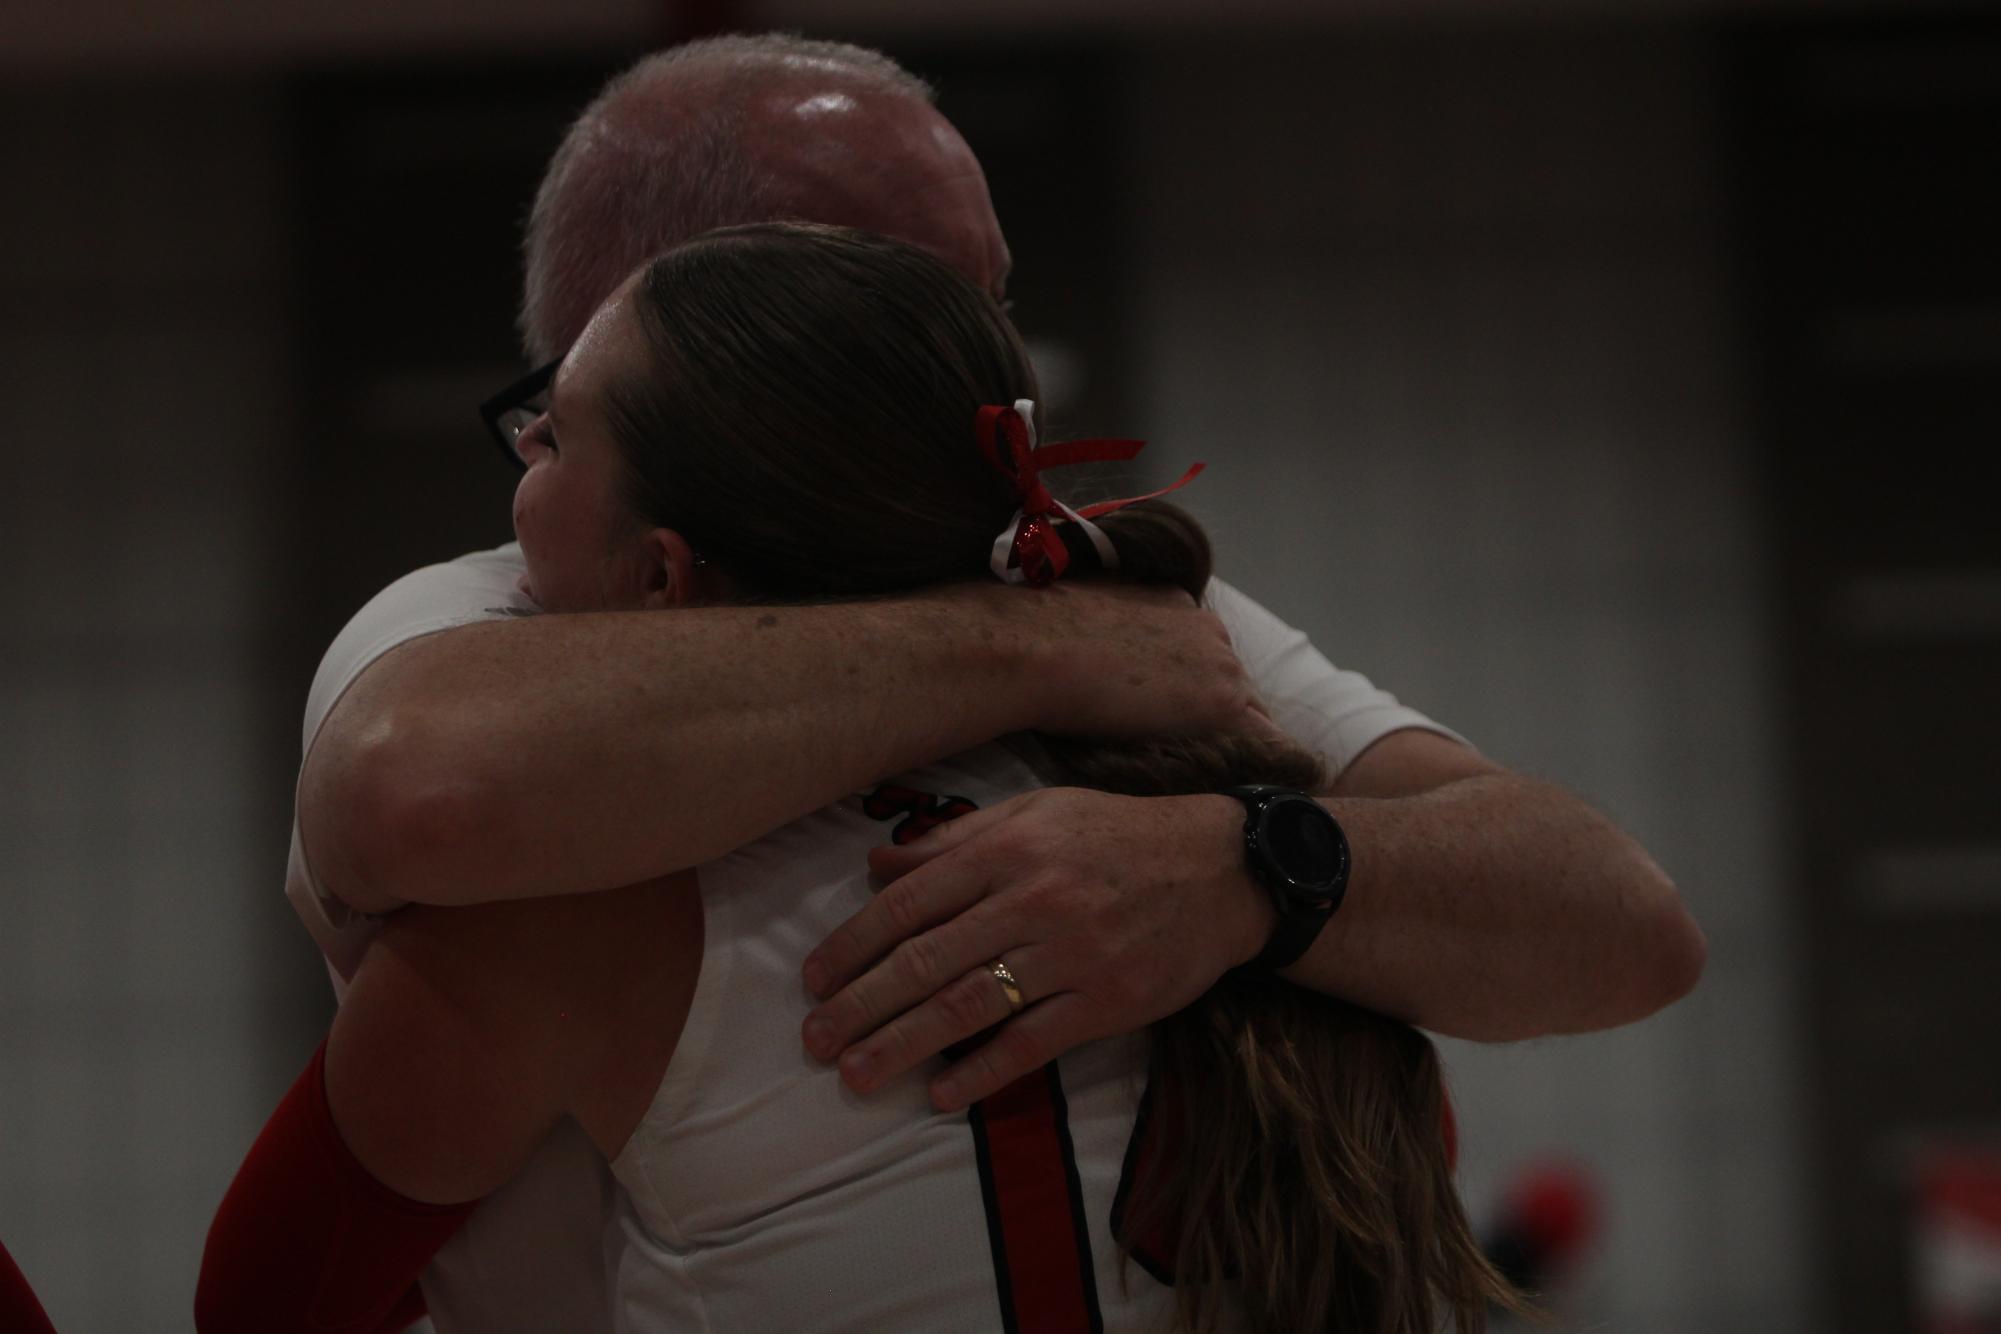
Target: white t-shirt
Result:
[530, 1259]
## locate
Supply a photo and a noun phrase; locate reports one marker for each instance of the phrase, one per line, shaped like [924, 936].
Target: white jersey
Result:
[529, 1260]
[760, 1194]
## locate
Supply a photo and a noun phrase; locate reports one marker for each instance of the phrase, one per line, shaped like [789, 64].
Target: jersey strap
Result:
[1034, 1199]
[1035, 1208]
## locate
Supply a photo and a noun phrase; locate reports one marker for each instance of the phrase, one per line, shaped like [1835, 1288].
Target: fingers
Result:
[892, 861]
[1029, 1041]
[913, 971]
[898, 915]
[909, 905]
[969, 1005]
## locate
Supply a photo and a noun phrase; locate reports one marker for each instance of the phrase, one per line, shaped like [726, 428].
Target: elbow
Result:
[1685, 955]
[386, 817]
[1672, 949]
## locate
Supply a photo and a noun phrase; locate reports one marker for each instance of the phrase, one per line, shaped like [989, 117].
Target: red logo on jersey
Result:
[923, 811]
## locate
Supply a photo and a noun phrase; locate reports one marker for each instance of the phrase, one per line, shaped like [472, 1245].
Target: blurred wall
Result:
[144, 264]
[1451, 314]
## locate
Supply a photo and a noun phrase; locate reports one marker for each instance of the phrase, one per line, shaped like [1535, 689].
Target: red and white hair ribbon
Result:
[1030, 550]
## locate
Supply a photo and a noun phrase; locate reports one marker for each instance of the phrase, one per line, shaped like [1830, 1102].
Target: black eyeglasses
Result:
[510, 412]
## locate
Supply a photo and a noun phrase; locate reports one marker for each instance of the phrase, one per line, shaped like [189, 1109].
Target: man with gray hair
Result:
[459, 752]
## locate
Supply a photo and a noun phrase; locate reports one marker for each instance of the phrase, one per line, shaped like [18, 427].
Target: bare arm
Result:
[469, 1032]
[1483, 905]
[1487, 905]
[562, 754]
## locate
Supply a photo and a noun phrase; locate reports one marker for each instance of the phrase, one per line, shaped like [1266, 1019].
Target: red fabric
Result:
[1033, 1210]
[1155, 1238]
[1555, 1206]
[308, 1240]
[20, 1313]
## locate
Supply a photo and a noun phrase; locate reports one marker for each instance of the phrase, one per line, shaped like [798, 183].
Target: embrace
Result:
[751, 913]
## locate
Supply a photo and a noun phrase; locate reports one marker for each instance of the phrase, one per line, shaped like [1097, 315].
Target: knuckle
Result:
[965, 1003]
[900, 909]
[1010, 843]
[1016, 1051]
[841, 947]
[855, 1010]
[988, 1073]
[917, 962]
[1043, 897]
[899, 1047]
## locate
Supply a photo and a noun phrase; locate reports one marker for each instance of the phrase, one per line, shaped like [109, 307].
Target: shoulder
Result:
[1331, 710]
[478, 586]
[1258, 634]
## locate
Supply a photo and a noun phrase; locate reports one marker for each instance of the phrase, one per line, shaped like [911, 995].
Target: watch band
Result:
[1302, 914]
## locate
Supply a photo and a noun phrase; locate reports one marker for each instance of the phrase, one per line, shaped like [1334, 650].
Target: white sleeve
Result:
[482, 586]
[1337, 713]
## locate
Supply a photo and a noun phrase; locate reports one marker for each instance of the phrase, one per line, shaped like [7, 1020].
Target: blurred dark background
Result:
[1619, 388]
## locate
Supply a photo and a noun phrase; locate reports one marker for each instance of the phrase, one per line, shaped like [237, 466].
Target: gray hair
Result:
[632, 179]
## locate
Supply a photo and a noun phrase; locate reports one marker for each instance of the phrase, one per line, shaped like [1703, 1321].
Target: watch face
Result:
[1305, 843]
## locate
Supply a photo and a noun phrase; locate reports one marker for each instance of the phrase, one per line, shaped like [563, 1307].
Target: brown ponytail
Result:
[1309, 1171]
[807, 423]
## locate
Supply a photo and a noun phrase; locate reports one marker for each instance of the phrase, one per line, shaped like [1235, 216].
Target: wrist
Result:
[1298, 854]
[1039, 679]
[1245, 913]
[976, 635]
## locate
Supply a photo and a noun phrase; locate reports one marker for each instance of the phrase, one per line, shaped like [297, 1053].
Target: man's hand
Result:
[1063, 885]
[1124, 660]
[1482, 905]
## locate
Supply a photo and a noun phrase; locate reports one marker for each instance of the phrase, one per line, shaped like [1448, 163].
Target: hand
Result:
[1110, 911]
[1117, 659]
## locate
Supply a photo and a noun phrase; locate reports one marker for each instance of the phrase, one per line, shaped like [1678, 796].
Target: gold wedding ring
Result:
[1008, 984]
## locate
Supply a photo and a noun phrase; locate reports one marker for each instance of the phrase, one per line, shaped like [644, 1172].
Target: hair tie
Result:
[1030, 550]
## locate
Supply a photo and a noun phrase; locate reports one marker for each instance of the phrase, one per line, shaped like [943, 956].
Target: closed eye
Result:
[540, 433]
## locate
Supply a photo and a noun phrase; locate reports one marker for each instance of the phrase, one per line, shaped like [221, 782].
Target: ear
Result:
[668, 576]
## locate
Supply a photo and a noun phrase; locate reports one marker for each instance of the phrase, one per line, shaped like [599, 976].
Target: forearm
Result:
[569, 753]
[20, 1310]
[307, 1238]
[1496, 908]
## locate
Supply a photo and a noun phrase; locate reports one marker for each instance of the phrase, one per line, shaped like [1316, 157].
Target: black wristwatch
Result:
[1297, 851]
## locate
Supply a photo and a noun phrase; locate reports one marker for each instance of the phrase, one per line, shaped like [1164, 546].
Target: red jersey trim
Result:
[1035, 1208]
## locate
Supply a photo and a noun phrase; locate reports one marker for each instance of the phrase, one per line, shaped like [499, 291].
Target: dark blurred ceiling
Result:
[79, 35]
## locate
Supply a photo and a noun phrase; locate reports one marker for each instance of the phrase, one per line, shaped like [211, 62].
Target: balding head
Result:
[747, 129]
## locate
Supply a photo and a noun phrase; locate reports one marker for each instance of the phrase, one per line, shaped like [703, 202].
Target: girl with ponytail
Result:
[775, 414]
